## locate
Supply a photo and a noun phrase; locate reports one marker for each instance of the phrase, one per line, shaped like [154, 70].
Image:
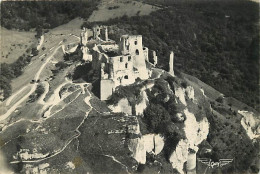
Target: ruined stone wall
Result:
[84, 37]
[106, 89]
[86, 54]
[146, 53]
[133, 45]
[97, 59]
[122, 70]
[100, 32]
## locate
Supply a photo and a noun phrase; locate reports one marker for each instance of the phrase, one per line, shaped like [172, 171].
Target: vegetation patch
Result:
[206, 38]
[13, 70]
[46, 14]
[38, 92]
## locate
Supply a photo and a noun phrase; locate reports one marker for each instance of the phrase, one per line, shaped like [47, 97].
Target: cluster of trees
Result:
[13, 70]
[25, 15]
[162, 109]
[38, 92]
[226, 136]
[217, 37]
[160, 115]
[75, 56]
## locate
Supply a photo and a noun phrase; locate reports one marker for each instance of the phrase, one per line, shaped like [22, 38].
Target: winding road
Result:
[32, 86]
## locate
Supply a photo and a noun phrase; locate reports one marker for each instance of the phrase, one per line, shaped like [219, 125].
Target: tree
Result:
[155, 116]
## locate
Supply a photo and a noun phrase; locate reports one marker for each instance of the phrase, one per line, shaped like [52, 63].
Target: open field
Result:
[52, 39]
[14, 44]
[42, 64]
[118, 8]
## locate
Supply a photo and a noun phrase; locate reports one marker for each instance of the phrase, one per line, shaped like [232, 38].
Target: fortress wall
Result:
[106, 89]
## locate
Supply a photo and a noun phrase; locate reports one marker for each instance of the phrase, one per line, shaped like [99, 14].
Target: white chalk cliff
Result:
[122, 106]
[190, 92]
[140, 107]
[195, 133]
[180, 93]
[250, 124]
[150, 143]
[180, 155]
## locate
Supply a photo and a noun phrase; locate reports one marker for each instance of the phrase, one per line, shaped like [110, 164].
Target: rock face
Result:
[190, 92]
[150, 143]
[195, 132]
[250, 124]
[180, 155]
[86, 54]
[122, 106]
[180, 93]
[139, 108]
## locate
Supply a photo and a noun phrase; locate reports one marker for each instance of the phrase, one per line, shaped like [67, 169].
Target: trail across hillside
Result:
[32, 86]
[10, 99]
[87, 100]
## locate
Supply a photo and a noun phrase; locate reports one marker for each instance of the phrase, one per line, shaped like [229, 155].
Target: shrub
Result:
[155, 116]
[75, 56]
[219, 99]
[39, 90]
[184, 84]
[61, 65]
[35, 52]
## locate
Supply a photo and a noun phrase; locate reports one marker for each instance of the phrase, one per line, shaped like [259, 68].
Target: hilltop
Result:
[170, 115]
[54, 121]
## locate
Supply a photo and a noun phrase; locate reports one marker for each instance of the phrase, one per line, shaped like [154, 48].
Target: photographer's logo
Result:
[212, 164]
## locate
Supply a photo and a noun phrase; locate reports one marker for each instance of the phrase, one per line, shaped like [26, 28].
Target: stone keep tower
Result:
[84, 37]
[132, 45]
[154, 58]
[100, 32]
[171, 62]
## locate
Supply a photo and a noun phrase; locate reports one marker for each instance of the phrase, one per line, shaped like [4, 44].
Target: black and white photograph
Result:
[129, 87]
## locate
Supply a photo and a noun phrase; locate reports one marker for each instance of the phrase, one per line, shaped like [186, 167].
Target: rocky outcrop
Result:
[136, 146]
[140, 107]
[190, 92]
[150, 143]
[37, 169]
[122, 106]
[180, 155]
[25, 155]
[158, 144]
[180, 93]
[195, 133]
[40, 42]
[250, 124]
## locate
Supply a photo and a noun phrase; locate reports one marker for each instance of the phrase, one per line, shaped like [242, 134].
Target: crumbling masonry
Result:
[119, 64]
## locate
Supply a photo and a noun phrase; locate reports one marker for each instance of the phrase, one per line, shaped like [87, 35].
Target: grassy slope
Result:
[119, 9]
[14, 44]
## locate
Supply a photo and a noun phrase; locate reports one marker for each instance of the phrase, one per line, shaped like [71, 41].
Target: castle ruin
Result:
[119, 64]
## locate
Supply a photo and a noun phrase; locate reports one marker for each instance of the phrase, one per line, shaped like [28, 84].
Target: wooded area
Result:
[215, 41]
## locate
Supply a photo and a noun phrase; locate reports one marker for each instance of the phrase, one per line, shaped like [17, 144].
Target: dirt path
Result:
[41, 42]
[33, 88]
[88, 98]
[9, 100]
